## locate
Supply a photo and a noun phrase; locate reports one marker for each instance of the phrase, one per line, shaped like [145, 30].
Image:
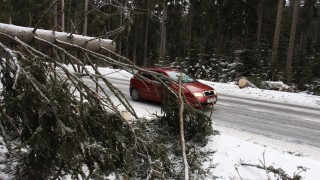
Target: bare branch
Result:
[43, 14]
[75, 27]
[183, 144]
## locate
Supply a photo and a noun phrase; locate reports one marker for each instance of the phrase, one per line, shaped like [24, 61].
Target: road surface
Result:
[294, 123]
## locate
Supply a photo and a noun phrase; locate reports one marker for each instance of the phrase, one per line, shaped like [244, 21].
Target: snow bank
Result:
[267, 95]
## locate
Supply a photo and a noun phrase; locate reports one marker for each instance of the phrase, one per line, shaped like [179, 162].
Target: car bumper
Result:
[203, 102]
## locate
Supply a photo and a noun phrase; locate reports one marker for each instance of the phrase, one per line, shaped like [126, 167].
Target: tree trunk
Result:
[317, 31]
[120, 35]
[134, 53]
[85, 21]
[276, 37]
[189, 30]
[163, 41]
[292, 38]
[55, 19]
[62, 24]
[62, 16]
[308, 18]
[127, 46]
[69, 29]
[145, 58]
[219, 35]
[25, 34]
[30, 19]
[260, 13]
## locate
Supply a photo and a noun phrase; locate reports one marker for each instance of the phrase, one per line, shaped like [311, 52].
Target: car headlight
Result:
[198, 94]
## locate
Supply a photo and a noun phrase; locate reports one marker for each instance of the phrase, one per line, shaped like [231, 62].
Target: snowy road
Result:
[298, 124]
[292, 123]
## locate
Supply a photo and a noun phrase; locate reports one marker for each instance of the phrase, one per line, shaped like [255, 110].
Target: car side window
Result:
[148, 76]
[145, 75]
[163, 79]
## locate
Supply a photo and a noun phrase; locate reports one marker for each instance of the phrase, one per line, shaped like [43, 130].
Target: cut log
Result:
[26, 35]
[126, 115]
[243, 82]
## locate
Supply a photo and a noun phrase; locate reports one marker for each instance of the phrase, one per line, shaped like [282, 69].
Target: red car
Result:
[145, 86]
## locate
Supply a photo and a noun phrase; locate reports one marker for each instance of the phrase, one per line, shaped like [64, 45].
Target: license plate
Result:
[211, 100]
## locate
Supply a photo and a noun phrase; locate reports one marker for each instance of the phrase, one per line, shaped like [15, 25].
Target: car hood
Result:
[197, 87]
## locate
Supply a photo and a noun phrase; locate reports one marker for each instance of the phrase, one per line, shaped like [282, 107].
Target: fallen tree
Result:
[27, 35]
[65, 124]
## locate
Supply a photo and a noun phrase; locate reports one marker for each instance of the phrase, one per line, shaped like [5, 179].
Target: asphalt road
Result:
[293, 123]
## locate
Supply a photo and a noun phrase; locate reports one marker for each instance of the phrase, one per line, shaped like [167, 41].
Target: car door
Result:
[148, 86]
[158, 93]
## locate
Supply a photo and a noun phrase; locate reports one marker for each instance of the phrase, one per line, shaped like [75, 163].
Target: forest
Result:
[218, 40]
[53, 124]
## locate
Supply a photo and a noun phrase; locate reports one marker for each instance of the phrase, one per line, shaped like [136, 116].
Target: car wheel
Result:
[135, 95]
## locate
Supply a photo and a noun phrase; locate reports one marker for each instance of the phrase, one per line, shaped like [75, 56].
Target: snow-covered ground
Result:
[234, 147]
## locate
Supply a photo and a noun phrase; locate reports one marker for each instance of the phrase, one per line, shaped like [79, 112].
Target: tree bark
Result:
[25, 34]
[292, 38]
[276, 37]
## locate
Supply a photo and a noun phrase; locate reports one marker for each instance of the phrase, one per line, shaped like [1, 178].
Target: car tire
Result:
[135, 94]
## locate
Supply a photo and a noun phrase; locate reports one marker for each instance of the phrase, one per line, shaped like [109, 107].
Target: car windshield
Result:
[185, 77]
